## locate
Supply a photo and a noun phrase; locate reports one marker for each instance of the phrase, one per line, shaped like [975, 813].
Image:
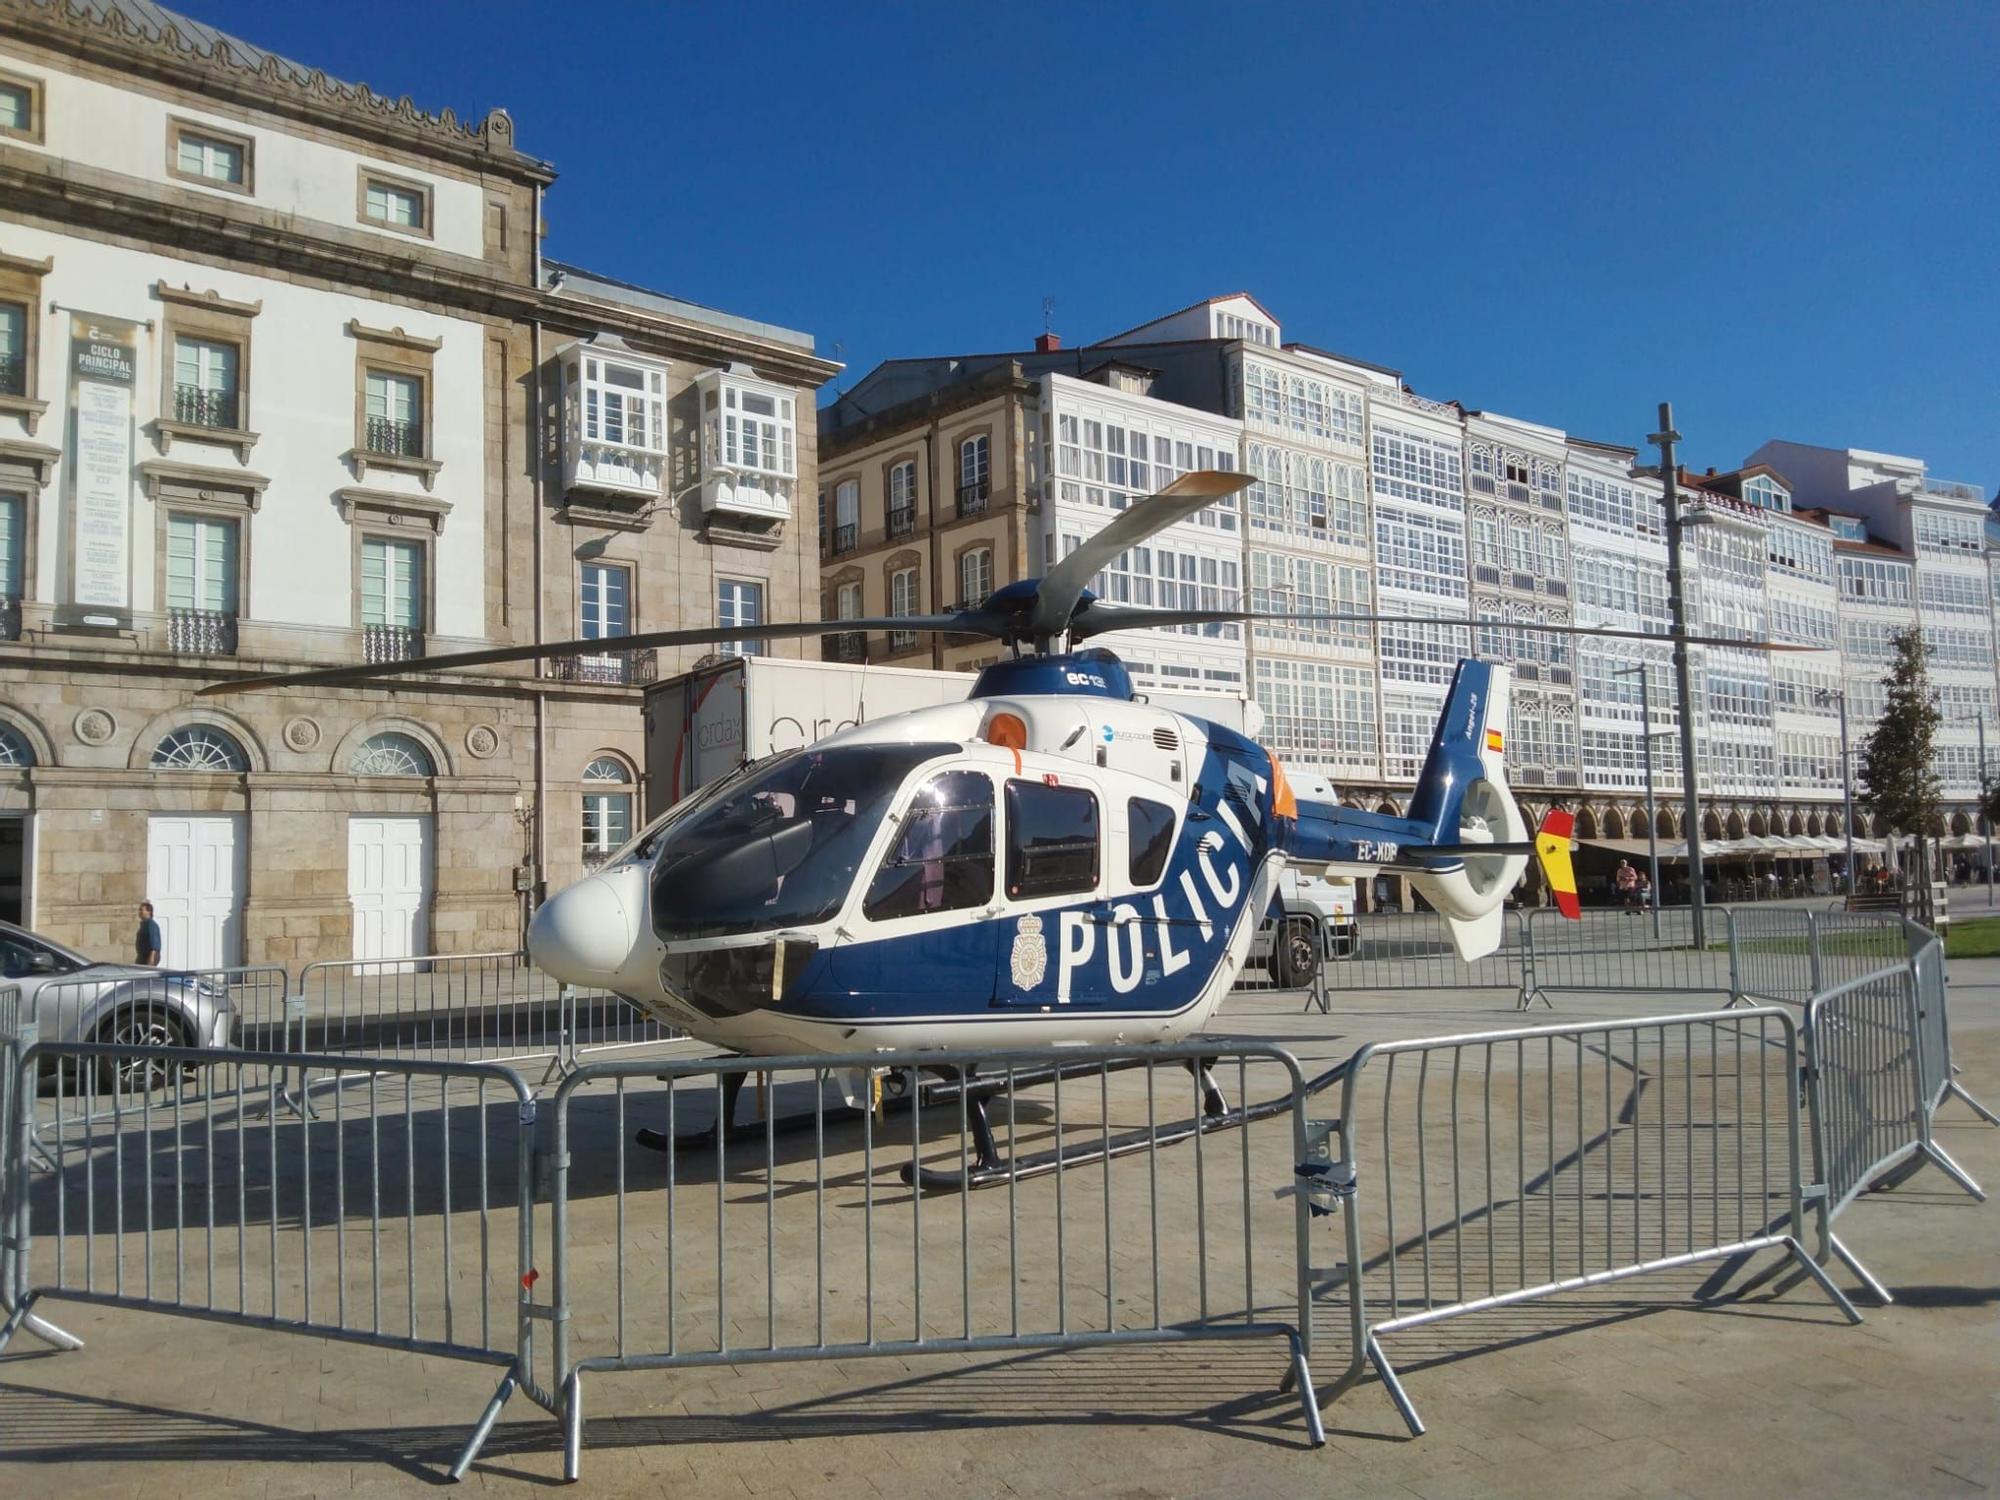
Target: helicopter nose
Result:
[584, 934]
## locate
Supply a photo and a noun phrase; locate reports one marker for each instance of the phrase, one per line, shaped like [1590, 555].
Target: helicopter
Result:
[1051, 861]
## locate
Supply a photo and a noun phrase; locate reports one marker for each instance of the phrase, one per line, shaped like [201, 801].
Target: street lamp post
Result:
[1839, 695]
[1982, 807]
[1652, 812]
[1664, 440]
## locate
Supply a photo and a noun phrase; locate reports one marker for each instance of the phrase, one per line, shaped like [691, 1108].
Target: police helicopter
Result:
[1053, 860]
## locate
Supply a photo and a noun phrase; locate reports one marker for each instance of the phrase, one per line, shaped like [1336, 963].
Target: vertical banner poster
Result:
[103, 368]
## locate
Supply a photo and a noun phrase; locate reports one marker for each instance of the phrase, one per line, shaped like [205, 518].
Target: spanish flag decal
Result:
[1493, 740]
[1552, 850]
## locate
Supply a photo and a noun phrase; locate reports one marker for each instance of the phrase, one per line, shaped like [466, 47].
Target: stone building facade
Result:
[287, 380]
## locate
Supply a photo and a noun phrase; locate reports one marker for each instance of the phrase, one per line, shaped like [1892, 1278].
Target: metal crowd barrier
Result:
[1940, 1074]
[1626, 952]
[1640, 1146]
[1396, 951]
[1789, 955]
[402, 1216]
[490, 1007]
[720, 1239]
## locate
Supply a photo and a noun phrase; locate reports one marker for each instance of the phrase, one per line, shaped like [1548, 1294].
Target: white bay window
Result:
[614, 420]
[749, 444]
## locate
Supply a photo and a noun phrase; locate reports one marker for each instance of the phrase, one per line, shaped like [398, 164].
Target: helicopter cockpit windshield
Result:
[783, 847]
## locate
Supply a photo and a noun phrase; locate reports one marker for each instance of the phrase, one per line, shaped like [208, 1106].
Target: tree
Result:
[1898, 783]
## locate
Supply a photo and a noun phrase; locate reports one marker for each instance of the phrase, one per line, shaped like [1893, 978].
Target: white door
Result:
[389, 884]
[194, 878]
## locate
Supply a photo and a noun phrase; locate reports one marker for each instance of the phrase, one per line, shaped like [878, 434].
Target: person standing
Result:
[1627, 881]
[147, 940]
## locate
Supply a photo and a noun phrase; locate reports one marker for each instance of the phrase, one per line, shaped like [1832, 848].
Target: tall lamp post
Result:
[1652, 814]
[1824, 696]
[1984, 820]
[1664, 440]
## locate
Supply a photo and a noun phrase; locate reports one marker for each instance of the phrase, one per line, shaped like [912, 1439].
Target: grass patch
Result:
[1976, 938]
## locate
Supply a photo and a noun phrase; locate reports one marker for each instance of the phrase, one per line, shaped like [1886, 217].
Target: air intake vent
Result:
[1166, 739]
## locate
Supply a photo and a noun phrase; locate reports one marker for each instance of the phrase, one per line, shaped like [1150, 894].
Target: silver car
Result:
[70, 998]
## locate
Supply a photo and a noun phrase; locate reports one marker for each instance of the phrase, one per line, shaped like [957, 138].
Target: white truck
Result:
[707, 722]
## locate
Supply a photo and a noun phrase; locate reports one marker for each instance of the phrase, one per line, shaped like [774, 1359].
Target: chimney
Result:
[1047, 343]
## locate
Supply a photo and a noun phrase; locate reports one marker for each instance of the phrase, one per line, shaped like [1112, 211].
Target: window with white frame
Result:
[604, 602]
[975, 575]
[392, 583]
[1417, 468]
[607, 808]
[1420, 552]
[1284, 584]
[1959, 591]
[624, 405]
[13, 544]
[197, 154]
[1941, 532]
[1295, 402]
[394, 413]
[1801, 553]
[205, 383]
[17, 107]
[1612, 505]
[391, 754]
[757, 431]
[199, 747]
[902, 510]
[202, 564]
[1764, 492]
[847, 601]
[399, 204]
[1317, 711]
[739, 602]
[902, 601]
[1875, 580]
[975, 466]
[13, 349]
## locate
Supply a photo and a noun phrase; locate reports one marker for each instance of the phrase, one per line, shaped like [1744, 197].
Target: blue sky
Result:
[1783, 217]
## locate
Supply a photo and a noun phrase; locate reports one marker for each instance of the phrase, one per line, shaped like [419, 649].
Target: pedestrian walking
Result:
[147, 941]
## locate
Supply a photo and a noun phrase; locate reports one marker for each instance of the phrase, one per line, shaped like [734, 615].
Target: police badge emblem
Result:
[1029, 959]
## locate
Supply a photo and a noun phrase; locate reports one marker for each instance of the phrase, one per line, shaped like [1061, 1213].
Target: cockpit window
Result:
[782, 847]
[1151, 826]
[944, 859]
[1051, 840]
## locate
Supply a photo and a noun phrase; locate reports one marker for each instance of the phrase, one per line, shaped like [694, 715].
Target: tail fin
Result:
[1462, 798]
[1552, 851]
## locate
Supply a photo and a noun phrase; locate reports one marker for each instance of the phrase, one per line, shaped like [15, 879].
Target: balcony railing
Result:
[849, 645]
[843, 539]
[1950, 489]
[201, 632]
[13, 374]
[391, 643]
[10, 617]
[902, 520]
[197, 406]
[399, 437]
[972, 497]
[607, 668]
[902, 640]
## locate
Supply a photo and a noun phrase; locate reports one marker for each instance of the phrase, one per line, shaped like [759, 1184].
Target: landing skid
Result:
[987, 1168]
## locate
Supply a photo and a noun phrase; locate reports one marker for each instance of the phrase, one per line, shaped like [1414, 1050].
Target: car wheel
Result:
[139, 1027]
[1294, 960]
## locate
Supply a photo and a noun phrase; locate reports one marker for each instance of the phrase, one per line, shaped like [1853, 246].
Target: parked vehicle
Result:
[71, 998]
[1306, 907]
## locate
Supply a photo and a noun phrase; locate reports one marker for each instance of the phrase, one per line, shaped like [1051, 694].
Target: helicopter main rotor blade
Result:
[1063, 585]
[965, 622]
[1097, 618]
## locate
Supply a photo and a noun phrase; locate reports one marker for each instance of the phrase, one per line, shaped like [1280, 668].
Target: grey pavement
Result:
[1638, 1389]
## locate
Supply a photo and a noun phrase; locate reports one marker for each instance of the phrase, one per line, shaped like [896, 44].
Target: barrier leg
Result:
[1942, 1160]
[1953, 1089]
[24, 1317]
[1301, 1375]
[483, 1428]
[572, 1419]
[1395, 1387]
[1861, 1273]
[1834, 1294]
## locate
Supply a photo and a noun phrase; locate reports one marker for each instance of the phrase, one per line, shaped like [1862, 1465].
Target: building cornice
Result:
[74, 199]
[918, 411]
[112, 38]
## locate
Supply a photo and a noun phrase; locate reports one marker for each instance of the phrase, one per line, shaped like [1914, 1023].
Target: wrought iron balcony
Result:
[843, 539]
[13, 374]
[197, 406]
[972, 498]
[398, 437]
[607, 668]
[902, 520]
[391, 643]
[902, 640]
[10, 617]
[201, 632]
[849, 645]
